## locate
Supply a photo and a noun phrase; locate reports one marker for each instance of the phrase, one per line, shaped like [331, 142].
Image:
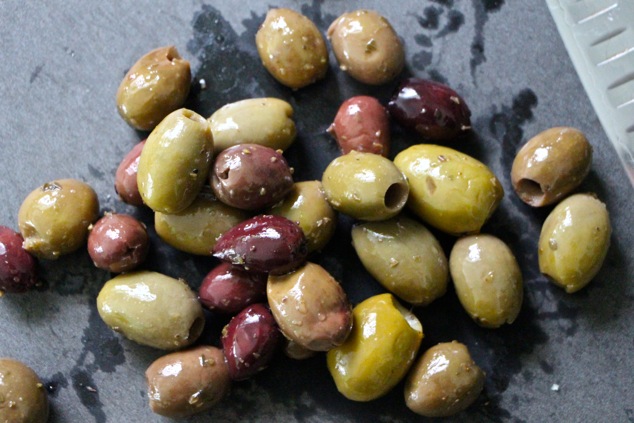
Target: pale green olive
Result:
[152, 309]
[306, 204]
[404, 257]
[266, 121]
[448, 189]
[487, 279]
[175, 161]
[365, 186]
[22, 395]
[574, 241]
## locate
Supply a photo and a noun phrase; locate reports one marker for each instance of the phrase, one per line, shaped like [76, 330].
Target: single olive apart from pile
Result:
[23, 397]
[18, 268]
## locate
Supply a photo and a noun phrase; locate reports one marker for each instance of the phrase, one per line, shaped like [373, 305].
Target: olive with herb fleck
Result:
[23, 397]
[18, 268]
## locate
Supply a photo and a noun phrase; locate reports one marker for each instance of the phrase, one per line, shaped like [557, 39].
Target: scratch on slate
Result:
[36, 73]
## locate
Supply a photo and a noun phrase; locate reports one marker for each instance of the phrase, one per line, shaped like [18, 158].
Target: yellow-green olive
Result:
[266, 121]
[196, 229]
[152, 309]
[22, 395]
[291, 48]
[365, 186]
[487, 279]
[175, 161]
[444, 381]
[156, 85]
[404, 257]
[378, 353]
[367, 47]
[448, 189]
[306, 204]
[550, 165]
[54, 218]
[574, 241]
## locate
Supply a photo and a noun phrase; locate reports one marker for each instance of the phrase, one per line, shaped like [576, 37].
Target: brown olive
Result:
[125, 179]
[230, 289]
[22, 395]
[18, 268]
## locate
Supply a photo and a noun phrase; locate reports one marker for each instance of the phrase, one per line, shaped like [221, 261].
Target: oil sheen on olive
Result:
[18, 268]
[125, 179]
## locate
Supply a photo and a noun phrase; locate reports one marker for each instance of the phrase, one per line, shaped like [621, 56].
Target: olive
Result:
[378, 353]
[404, 257]
[444, 381]
[55, 217]
[487, 279]
[296, 351]
[574, 241]
[291, 48]
[151, 309]
[18, 268]
[230, 289]
[175, 161]
[264, 121]
[125, 179]
[449, 190]
[22, 395]
[550, 165]
[156, 85]
[365, 186]
[367, 47]
[432, 109]
[187, 382]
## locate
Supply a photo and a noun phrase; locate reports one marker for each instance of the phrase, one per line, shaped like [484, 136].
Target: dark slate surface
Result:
[61, 64]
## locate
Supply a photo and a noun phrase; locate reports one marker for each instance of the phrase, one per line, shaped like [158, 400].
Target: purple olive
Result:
[18, 268]
[250, 341]
[125, 183]
[432, 109]
[264, 243]
[229, 289]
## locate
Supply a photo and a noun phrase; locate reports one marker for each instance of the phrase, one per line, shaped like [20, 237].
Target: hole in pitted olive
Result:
[196, 328]
[224, 173]
[395, 196]
[529, 190]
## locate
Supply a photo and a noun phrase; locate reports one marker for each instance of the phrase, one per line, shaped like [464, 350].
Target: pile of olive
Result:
[221, 187]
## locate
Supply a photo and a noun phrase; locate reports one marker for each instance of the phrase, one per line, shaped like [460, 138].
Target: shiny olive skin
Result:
[551, 165]
[367, 47]
[18, 268]
[125, 179]
[54, 218]
[175, 161]
[362, 124]
[444, 381]
[184, 383]
[230, 289]
[365, 186]
[381, 348]
[291, 48]
[156, 85]
[151, 309]
[23, 397]
[448, 189]
[574, 241]
[118, 243]
[306, 205]
[431, 109]
[487, 279]
[310, 307]
[251, 176]
[264, 243]
[195, 229]
[265, 121]
[250, 340]
[404, 257]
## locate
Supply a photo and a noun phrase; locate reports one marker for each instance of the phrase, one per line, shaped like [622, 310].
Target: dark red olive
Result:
[264, 243]
[229, 289]
[430, 108]
[250, 341]
[18, 268]
[125, 183]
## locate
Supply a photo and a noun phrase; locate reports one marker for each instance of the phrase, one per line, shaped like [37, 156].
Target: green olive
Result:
[404, 257]
[54, 218]
[175, 161]
[574, 241]
[265, 121]
[22, 395]
[444, 381]
[365, 186]
[156, 85]
[487, 279]
[152, 309]
[306, 204]
[448, 189]
[381, 348]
